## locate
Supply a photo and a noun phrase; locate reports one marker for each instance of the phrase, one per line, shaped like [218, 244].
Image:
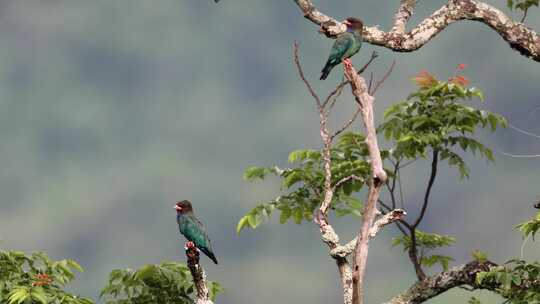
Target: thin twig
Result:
[370, 81]
[521, 155]
[407, 163]
[413, 250]
[301, 72]
[524, 15]
[523, 131]
[432, 176]
[374, 55]
[340, 86]
[401, 200]
[346, 179]
[382, 80]
[392, 188]
[388, 208]
[399, 223]
[334, 99]
[347, 124]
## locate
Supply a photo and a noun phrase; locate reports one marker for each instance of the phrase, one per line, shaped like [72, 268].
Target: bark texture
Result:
[199, 277]
[515, 33]
[442, 282]
[378, 178]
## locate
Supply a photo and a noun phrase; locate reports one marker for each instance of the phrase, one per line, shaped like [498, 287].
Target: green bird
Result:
[346, 45]
[193, 229]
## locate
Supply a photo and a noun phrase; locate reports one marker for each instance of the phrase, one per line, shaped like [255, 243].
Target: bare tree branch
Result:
[334, 96]
[519, 37]
[433, 174]
[340, 86]
[346, 179]
[328, 234]
[413, 250]
[521, 155]
[524, 15]
[378, 178]
[348, 123]
[301, 73]
[464, 275]
[390, 217]
[402, 16]
[199, 277]
[383, 79]
[523, 131]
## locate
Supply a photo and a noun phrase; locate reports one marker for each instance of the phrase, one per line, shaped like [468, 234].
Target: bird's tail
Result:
[326, 70]
[210, 254]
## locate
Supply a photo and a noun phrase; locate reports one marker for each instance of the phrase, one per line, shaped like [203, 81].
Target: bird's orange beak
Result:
[178, 208]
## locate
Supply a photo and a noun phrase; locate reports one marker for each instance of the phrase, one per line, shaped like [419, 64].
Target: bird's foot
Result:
[189, 245]
[347, 63]
[192, 253]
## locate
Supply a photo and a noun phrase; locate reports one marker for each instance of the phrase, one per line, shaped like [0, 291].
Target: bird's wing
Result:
[197, 232]
[343, 42]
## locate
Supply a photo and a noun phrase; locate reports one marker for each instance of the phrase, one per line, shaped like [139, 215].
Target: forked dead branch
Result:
[352, 278]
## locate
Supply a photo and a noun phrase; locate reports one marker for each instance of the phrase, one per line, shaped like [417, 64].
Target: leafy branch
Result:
[36, 279]
[167, 282]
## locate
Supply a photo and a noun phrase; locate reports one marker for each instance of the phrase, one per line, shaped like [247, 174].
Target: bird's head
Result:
[183, 207]
[354, 24]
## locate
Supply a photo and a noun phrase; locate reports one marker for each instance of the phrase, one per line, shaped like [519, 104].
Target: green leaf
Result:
[474, 300]
[298, 215]
[39, 295]
[18, 295]
[254, 219]
[353, 202]
[480, 277]
[479, 256]
[297, 155]
[531, 227]
[285, 215]
[145, 272]
[437, 259]
[253, 173]
[242, 223]
[215, 289]
[292, 178]
[75, 265]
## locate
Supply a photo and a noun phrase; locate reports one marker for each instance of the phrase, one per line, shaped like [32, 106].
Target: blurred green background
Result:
[112, 110]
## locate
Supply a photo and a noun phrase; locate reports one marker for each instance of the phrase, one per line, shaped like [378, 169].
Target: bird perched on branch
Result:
[192, 228]
[346, 45]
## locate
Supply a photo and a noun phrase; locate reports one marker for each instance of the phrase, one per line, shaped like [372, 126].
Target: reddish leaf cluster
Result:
[459, 80]
[42, 279]
[425, 79]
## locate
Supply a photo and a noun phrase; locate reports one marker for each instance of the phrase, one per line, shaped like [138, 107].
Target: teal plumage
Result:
[346, 45]
[193, 229]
